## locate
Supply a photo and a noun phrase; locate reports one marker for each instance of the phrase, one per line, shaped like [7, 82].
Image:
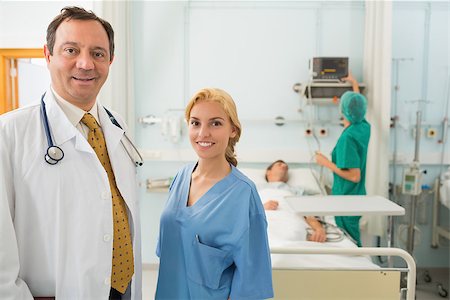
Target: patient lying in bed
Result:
[274, 191]
[288, 230]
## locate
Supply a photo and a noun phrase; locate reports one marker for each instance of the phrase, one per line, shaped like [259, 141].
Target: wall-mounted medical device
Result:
[325, 85]
[324, 92]
[171, 124]
[328, 68]
[158, 185]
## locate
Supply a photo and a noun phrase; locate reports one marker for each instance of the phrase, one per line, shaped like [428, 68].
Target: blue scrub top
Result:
[218, 247]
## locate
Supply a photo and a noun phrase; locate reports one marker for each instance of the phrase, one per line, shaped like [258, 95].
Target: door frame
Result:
[9, 87]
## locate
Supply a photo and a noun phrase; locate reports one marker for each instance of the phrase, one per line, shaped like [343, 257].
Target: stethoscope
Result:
[55, 154]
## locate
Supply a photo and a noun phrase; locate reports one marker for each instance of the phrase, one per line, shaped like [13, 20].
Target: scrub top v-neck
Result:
[214, 248]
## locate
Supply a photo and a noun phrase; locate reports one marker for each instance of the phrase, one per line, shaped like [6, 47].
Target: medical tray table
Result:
[354, 205]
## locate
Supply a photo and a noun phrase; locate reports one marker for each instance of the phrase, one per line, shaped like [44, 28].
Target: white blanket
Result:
[444, 190]
[286, 229]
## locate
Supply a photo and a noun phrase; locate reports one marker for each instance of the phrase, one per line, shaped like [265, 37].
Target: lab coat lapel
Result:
[118, 159]
[112, 133]
[60, 127]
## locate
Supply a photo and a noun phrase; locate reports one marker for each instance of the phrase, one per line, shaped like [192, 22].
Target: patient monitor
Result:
[325, 85]
[328, 68]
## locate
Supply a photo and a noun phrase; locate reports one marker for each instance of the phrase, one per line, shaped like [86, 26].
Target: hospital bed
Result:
[332, 270]
[441, 197]
[343, 283]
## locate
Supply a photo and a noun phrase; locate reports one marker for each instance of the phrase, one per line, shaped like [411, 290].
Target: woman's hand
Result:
[353, 174]
[352, 80]
[322, 160]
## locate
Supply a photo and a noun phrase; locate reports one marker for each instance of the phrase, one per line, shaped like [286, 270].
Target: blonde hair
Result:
[224, 99]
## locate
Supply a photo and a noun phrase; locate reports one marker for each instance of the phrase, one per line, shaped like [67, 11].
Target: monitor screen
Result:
[329, 68]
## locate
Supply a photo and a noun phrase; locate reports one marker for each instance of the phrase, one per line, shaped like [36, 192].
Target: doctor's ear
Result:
[47, 53]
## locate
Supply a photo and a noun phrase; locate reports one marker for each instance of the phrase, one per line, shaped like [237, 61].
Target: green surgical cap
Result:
[353, 106]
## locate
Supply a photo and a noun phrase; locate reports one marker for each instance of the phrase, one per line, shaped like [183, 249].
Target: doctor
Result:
[58, 215]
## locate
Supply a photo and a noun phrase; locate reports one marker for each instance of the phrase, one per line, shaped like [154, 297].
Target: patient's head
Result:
[277, 171]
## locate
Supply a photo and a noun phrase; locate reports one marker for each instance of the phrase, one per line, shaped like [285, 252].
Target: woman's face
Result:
[210, 129]
[345, 122]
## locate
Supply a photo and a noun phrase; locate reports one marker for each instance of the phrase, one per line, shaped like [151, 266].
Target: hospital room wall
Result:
[23, 24]
[421, 71]
[180, 48]
[256, 51]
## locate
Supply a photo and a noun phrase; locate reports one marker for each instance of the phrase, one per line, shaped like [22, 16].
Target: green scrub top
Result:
[351, 152]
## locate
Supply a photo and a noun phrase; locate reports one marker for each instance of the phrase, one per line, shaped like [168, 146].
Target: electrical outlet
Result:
[431, 133]
[322, 132]
[308, 132]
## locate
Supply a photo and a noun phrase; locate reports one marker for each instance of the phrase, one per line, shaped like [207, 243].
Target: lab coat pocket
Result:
[206, 264]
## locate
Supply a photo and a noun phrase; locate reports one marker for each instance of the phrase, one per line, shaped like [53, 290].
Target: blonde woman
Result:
[213, 231]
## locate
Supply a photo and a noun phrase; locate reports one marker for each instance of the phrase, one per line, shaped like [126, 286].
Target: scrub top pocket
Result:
[205, 264]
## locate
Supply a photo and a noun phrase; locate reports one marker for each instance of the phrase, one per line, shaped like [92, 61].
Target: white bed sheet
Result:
[444, 189]
[286, 229]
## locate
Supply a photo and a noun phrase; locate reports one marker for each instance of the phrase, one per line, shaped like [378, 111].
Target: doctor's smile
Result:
[84, 79]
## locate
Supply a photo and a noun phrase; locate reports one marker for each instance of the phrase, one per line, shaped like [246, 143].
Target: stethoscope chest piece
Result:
[54, 155]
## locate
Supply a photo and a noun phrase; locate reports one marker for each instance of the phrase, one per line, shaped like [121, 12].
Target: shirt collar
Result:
[74, 113]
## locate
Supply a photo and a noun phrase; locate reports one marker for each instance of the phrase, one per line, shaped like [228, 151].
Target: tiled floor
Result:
[424, 290]
[429, 290]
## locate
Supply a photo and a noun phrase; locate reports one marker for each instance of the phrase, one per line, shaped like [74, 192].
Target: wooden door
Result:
[9, 87]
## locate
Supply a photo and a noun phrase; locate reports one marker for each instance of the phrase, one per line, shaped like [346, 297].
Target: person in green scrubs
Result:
[348, 159]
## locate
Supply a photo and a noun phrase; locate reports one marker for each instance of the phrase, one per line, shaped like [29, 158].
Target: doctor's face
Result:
[80, 62]
[210, 129]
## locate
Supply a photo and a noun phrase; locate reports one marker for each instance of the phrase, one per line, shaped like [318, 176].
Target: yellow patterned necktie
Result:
[122, 262]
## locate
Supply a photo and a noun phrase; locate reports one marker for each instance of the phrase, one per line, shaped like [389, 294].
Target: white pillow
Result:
[298, 177]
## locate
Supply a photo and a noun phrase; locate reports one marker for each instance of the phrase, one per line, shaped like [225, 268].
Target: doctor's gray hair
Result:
[224, 99]
[77, 13]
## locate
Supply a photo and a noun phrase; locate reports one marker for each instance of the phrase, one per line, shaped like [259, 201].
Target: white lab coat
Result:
[56, 224]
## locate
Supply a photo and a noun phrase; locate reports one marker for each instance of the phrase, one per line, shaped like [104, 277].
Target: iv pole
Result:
[414, 198]
[390, 229]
